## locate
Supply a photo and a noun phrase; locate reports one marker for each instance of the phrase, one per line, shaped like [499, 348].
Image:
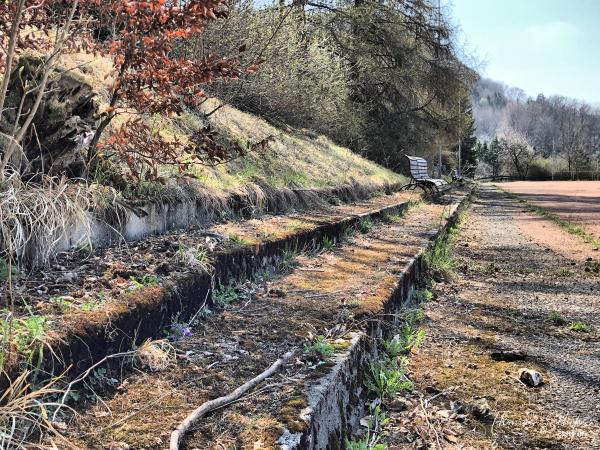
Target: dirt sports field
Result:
[577, 201]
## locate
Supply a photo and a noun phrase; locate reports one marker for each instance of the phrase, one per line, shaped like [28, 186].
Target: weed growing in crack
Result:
[288, 261]
[238, 240]
[388, 378]
[439, 257]
[352, 303]
[412, 316]
[62, 303]
[401, 344]
[580, 327]
[371, 440]
[423, 295]
[146, 280]
[391, 218]
[265, 275]
[365, 225]
[327, 244]
[88, 306]
[27, 335]
[225, 295]
[411, 337]
[319, 350]
[195, 256]
[555, 318]
[348, 233]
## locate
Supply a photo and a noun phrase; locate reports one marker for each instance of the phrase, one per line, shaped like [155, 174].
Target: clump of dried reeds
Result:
[24, 419]
[34, 216]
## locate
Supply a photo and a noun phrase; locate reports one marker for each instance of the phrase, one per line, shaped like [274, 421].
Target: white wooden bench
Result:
[419, 177]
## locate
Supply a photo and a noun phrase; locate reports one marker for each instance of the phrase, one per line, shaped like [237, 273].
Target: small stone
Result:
[444, 413]
[163, 268]
[531, 377]
[472, 366]
[120, 445]
[277, 292]
[481, 410]
[399, 404]
[508, 355]
[68, 277]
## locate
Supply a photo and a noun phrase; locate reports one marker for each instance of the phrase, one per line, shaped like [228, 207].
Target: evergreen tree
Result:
[468, 147]
[491, 155]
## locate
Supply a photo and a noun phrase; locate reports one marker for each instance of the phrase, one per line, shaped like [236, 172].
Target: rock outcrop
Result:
[56, 143]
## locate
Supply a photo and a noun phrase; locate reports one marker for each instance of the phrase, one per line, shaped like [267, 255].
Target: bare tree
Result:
[515, 148]
[22, 17]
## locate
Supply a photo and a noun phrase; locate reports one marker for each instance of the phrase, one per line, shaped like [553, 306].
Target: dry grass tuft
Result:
[35, 216]
[156, 355]
[24, 420]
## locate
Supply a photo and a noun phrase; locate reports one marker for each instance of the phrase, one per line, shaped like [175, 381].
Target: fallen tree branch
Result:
[179, 432]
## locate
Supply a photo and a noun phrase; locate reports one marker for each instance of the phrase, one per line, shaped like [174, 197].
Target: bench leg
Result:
[425, 186]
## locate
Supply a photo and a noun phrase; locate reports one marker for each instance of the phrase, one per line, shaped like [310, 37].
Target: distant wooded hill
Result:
[555, 134]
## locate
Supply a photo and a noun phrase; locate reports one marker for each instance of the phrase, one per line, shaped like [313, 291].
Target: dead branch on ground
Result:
[179, 432]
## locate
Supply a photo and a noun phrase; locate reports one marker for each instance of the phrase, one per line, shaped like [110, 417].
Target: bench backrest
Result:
[418, 168]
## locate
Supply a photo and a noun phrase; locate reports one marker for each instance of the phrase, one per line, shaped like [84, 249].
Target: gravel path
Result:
[507, 287]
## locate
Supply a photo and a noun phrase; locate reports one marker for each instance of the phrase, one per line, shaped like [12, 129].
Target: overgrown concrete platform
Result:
[106, 301]
[346, 294]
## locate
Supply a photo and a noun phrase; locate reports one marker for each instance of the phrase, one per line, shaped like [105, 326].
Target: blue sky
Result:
[547, 46]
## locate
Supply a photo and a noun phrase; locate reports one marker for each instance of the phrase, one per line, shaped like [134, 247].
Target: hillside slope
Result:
[295, 158]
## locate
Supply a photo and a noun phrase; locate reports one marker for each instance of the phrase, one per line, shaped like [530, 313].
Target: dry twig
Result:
[179, 432]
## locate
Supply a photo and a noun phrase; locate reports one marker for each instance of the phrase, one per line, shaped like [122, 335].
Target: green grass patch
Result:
[225, 295]
[555, 318]
[423, 295]
[580, 327]
[387, 378]
[563, 272]
[377, 420]
[237, 240]
[401, 344]
[319, 350]
[365, 225]
[26, 335]
[327, 244]
[439, 257]
[145, 281]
